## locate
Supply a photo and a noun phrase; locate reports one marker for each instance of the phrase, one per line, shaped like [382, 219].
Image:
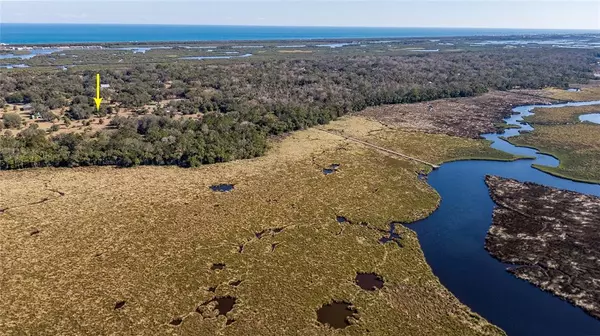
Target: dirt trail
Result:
[434, 166]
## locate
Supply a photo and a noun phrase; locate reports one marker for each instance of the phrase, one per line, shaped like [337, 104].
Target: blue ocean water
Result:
[21, 33]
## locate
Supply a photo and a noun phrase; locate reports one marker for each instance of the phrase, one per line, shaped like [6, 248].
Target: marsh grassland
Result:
[155, 251]
[586, 93]
[560, 115]
[576, 144]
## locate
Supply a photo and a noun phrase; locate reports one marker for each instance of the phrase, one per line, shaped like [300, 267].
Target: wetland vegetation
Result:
[550, 235]
[559, 132]
[302, 237]
[159, 239]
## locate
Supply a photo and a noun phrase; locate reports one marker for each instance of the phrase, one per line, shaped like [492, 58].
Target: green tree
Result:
[12, 120]
[44, 112]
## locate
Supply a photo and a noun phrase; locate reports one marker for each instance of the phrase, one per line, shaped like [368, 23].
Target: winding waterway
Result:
[453, 239]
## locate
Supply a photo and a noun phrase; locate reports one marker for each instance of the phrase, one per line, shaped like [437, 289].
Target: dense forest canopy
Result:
[242, 102]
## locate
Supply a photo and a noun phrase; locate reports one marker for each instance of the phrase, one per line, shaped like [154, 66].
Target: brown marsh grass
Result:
[577, 146]
[131, 251]
[560, 115]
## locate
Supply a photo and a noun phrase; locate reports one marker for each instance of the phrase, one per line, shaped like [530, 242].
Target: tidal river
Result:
[453, 240]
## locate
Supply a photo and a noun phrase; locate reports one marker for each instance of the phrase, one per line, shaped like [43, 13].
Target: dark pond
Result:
[328, 171]
[120, 304]
[224, 304]
[217, 267]
[342, 219]
[222, 187]
[369, 281]
[392, 236]
[453, 239]
[331, 169]
[336, 314]
[176, 321]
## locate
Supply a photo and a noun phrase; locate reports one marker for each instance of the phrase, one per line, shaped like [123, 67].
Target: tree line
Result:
[242, 102]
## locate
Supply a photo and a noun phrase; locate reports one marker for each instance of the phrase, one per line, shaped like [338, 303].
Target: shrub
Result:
[12, 120]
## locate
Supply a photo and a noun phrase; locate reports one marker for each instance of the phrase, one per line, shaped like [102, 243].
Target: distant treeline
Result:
[244, 102]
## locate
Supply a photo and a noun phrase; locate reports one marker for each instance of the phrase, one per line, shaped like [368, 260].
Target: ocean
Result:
[20, 33]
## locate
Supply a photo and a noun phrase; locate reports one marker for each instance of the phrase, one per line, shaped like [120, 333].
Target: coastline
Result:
[263, 33]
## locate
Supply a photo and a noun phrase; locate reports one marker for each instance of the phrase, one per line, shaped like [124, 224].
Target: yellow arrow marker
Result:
[98, 100]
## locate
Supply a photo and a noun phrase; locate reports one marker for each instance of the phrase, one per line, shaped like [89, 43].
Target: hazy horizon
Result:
[482, 14]
[289, 26]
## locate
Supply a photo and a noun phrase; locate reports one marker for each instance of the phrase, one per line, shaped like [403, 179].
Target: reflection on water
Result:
[13, 66]
[214, 57]
[453, 239]
[593, 117]
[32, 53]
[335, 45]
[139, 50]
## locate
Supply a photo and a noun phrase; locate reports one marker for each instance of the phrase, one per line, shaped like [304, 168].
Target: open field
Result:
[586, 94]
[466, 117]
[428, 147]
[580, 92]
[153, 250]
[551, 236]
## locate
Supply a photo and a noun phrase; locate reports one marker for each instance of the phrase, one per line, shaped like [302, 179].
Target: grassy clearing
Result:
[504, 126]
[577, 146]
[586, 94]
[560, 115]
[149, 236]
[435, 148]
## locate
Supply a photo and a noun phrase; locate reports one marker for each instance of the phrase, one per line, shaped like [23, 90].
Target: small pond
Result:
[223, 187]
[32, 53]
[593, 118]
[214, 57]
[336, 314]
[13, 66]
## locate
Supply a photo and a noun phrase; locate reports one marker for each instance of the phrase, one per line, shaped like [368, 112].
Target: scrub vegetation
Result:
[153, 250]
[170, 111]
[464, 117]
[550, 235]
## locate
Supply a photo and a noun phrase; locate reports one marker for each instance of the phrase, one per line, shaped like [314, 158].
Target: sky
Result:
[543, 14]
